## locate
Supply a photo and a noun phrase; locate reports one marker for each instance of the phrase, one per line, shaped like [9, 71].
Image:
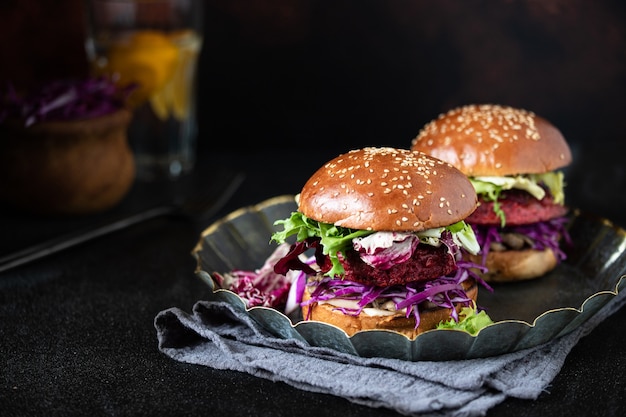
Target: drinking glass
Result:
[151, 47]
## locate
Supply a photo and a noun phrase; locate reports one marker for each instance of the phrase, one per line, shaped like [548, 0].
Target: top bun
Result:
[492, 140]
[387, 189]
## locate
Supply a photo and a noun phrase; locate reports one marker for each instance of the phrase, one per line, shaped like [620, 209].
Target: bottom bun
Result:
[429, 317]
[516, 265]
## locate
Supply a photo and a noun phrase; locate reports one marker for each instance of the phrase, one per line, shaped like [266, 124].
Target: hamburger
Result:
[379, 237]
[513, 158]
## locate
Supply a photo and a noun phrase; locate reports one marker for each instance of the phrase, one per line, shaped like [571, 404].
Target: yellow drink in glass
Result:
[159, 61]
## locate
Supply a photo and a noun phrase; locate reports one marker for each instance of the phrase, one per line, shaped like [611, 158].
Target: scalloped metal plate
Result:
[526, 314]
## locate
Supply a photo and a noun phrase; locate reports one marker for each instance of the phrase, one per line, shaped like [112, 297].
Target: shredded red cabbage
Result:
[282, 279]
[64, 100]
[546, 234]
[262, 287]
[442, 292]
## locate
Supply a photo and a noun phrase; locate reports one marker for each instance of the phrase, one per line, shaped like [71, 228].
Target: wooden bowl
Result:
[66, 167]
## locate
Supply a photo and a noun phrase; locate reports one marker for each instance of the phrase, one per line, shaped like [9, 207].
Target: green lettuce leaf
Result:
[490, 187]
[470, 321]
[555, 181]
[490, 192]
[336, 239]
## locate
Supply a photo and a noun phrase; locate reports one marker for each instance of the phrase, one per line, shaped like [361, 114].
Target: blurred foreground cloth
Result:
[219, 336]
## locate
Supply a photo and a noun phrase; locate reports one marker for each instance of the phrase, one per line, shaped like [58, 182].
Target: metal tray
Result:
[526, 314]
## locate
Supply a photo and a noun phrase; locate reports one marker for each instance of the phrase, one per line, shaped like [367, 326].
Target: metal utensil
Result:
[197, 207]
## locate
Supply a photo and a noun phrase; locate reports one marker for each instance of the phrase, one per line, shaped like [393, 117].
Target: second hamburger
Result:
[387, 232]
[513, 158]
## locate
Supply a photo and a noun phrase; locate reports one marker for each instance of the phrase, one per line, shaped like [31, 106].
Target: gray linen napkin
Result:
[218, 336]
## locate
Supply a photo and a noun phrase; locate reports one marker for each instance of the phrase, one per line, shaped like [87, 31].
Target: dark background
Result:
[343, 74]
[297, 75]
[350, 73]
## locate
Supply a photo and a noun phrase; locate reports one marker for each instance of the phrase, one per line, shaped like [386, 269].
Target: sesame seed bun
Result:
[516, 265]
[387, 189]
[429, 317]
[493, 140]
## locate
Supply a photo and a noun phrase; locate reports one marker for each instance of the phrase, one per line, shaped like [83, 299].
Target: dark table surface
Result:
[77, 334]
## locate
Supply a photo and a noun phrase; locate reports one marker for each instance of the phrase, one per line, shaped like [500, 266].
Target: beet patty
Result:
[519, 208]
[427, 263]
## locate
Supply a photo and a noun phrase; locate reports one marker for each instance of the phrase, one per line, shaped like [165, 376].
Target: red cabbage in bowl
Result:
[63, 100]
